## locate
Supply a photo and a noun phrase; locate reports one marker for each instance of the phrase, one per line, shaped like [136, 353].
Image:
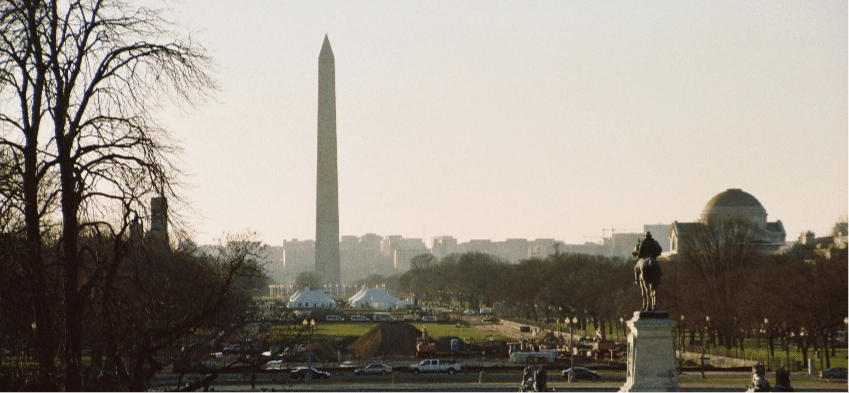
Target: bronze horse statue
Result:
[647, 271]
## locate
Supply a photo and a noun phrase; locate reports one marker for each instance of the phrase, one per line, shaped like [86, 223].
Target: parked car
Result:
[374, 369]
[582, 373]
[301, 373]
[274, 365]
[212, 364]
[838, 372]
[359, 318]
[434, 366]
[233, 349]
[334, 318]
[429, 318]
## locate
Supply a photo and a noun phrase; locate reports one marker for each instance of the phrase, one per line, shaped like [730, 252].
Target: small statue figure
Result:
[528, 379]
[540, 380]
[782, 381]
[647, 271]
[600, 335]
[759, 382]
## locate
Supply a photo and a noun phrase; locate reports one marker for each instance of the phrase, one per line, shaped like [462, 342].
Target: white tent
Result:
[307, 298]
[374, 298]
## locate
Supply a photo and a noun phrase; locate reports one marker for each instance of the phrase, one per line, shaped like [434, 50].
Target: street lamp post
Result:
[769, 351]
[572, 349]
[846, 321]
[622, 322]
[559, 331]
[681, 333]
[702, 360]
[786, 345]
[309, 325]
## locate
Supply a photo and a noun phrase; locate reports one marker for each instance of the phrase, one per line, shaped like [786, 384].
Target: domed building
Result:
[734, 204]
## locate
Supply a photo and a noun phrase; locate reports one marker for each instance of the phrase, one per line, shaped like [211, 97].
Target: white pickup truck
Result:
[434, 366]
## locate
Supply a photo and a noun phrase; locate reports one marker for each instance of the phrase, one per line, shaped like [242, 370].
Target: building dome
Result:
[734, 203]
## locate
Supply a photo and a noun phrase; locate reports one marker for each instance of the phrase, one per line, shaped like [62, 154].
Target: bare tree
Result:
[719, 257]
[161, 298]
[88, 76]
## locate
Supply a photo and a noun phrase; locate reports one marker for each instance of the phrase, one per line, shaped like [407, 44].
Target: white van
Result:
[383, 316]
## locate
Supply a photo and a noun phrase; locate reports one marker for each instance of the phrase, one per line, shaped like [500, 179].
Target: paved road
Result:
[502, 382]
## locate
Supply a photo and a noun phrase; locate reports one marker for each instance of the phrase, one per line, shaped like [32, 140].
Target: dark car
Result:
[374, 369]
[301, 373]
[833, 373]
[582, 373]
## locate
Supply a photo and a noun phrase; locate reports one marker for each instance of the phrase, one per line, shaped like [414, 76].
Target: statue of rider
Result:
[647, 271]
[647, 248]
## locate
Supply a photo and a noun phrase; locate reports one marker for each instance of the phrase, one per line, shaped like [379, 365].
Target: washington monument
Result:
[327, 188]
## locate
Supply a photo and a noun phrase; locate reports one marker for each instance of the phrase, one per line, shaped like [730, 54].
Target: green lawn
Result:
[759, 350]
[343, 329]
[466, 333]
[329, 331]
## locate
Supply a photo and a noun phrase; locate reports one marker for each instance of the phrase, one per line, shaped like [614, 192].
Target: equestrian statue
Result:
[647, 271]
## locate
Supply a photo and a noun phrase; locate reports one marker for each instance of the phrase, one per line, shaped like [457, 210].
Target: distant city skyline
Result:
[501, 119]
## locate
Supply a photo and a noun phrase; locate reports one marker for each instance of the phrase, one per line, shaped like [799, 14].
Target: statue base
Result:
[651, 353]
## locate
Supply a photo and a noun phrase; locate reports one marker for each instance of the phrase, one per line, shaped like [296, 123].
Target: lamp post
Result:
[702, 360]
[571, 348]
[309, 325]
[786, 345]
[710, 334]
[845, 328]
[622, 324]
[559, 332]
[681, 333]
[769, 352]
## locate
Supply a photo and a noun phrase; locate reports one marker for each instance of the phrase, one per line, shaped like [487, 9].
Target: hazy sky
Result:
[531, 119]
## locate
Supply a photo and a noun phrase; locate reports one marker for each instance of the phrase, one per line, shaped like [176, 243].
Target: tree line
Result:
[721, 282]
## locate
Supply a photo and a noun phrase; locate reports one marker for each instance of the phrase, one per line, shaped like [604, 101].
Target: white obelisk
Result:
[327, 189]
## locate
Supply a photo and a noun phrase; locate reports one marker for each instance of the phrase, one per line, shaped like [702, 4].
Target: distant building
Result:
[734, 204]
[158, 234]
[541, 248]
[399, 251]
[362, 256]
[513, 249]
[299, 255]
[477, 245]
[826, 246]
[621, 244]
[442, 246]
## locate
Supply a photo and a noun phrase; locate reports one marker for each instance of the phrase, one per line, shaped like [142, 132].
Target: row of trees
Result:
[720, 273]
[81, 154]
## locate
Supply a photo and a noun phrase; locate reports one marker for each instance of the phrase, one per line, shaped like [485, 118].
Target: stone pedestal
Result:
[651, 354]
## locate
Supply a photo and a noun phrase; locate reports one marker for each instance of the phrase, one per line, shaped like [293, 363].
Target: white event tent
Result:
[373, 297]
[307, 298]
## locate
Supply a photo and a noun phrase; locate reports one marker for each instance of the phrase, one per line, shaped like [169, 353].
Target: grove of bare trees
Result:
[81, 154]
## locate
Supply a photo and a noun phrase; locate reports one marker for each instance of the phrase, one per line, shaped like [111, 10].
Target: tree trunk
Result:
[71, 267]
[47, 343]
[826, 339]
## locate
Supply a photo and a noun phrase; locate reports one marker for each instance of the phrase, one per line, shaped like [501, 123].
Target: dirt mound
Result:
[387, 339]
